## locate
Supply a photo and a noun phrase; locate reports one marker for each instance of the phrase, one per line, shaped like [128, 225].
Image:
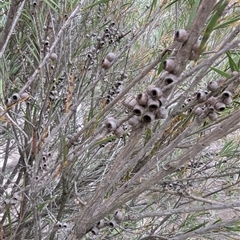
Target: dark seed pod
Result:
[170, 78]
[95, 230]
[154, 91]
[138, 110]
[226, 94]
[219, 106]
[148, 117]
[16, 97]
[112, 223]
[153, 104]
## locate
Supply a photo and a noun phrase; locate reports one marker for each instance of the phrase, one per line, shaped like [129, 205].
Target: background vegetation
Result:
[116, 123]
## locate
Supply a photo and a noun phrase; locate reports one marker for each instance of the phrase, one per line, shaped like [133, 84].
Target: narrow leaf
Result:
[224, 74]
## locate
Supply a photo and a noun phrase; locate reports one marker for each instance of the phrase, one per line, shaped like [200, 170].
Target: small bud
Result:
[106, 64]
[192, 56]
[162, 101]
[110, 57]
[212, 86]
[53, 56]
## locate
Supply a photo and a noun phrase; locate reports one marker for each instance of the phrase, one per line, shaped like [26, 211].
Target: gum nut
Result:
[154, 91]
[153, 104]
[169, 65]
[170, 78]
[95, 230]
[8, 102]
[53, 56]
[226, 94]
[138, 110]
[110, 124]
[227, 101]
[24, 95]
[129, 102]
[142, 99]
[118, 216]
[16, 97]
[110, 57]
[106, 64]
[181, 35]
[112, 223]
[213, 116]
[101, 223]
[220, 106]
[119, 131]
[148, 117]
[198, 111]
[212, 86]
[133, 121]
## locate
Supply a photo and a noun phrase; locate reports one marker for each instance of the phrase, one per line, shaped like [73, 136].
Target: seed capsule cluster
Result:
[115, 88]
[15, 98]
[117, 218]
